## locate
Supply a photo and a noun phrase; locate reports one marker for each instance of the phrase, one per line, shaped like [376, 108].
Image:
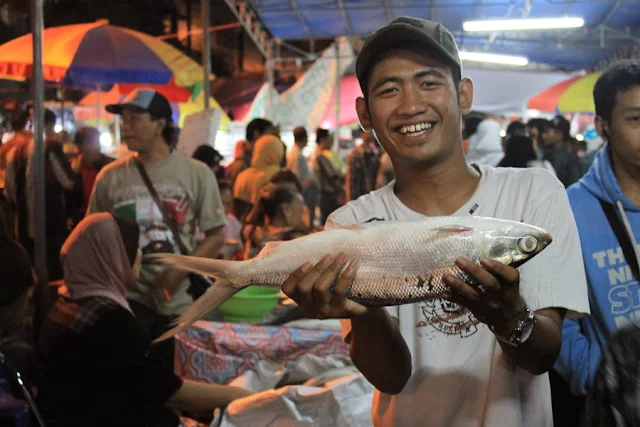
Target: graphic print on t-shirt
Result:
[138, 205]
[446, 317]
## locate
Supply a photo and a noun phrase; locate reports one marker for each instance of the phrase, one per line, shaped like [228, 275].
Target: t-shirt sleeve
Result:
[210, 208]
[118, 335]
[98, 198]
[555, 277]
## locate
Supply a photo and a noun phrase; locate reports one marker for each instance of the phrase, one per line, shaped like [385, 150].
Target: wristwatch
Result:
[521, 333]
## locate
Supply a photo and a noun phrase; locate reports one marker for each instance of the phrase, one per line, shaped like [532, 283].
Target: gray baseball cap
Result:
[404, 31]
[146, 100]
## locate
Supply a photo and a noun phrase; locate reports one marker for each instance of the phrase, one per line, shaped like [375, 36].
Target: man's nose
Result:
[412, 102]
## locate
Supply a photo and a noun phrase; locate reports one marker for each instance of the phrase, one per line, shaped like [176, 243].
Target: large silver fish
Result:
[399, 262]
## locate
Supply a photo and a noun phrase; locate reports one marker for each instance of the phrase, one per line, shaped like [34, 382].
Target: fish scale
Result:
[398, 262]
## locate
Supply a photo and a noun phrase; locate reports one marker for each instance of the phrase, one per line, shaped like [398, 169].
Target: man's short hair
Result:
[562, 125]
[84, 134]
[259, 125]
[321, 134]
[19, 119]
[300, 134]
[49, 117]
[540, 124]
[619, 78]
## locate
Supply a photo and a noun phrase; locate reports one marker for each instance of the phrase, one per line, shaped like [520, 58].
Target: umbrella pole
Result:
[336, 134]
[206, 54]
[39, 209]
[98, 106]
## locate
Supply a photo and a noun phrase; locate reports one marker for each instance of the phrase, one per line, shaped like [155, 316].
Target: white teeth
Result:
[415, 128]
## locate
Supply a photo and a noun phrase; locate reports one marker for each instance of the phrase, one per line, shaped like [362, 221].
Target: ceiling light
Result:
[494, 58]
[523, 24]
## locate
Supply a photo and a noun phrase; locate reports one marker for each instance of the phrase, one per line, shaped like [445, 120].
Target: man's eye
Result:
[430, 83]
[388, 91]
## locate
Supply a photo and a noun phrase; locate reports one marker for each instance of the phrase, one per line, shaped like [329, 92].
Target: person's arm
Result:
[379, 351]
[99, 195]
[197, 398]
[61, 168]
[579, 358]
[377, 347]
[10, 179]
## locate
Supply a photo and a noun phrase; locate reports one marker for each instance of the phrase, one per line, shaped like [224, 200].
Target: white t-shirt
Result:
[460, 376]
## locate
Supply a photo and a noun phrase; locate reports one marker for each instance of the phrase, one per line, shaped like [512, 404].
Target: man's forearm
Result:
[379, 351]
[540, 351]
[199, 398]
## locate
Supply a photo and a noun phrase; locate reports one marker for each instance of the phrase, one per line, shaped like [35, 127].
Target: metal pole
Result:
[206, 54]
[37, 85]
[98, 106]
[271, 80]
[336, 134]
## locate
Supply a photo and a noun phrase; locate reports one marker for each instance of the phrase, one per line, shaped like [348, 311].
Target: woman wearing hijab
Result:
[96, 365]
[265, 163]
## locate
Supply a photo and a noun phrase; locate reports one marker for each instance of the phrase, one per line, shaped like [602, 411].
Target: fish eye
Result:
[528, 244]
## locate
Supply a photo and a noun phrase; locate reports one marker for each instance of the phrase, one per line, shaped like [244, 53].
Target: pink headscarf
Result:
[95, 260]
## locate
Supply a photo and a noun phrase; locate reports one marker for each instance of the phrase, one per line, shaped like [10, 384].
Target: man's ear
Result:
[465, 89]
[162, 123]
[602, 127]
[363, 114]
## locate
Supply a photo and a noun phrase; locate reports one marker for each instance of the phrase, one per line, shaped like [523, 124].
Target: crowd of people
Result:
[555, 340]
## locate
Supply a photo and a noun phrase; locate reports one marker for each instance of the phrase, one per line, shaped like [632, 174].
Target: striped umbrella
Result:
[574, 95]
[99, 54]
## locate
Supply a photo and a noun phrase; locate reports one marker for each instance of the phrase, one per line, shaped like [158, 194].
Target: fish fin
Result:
[352, 227]
[268, 247]
[217, 294]
[214, 268]
[452, 228]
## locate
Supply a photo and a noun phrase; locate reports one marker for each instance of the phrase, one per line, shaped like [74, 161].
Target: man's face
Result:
[624, 129]
[551, 136]
[413, 108]
[139, 132]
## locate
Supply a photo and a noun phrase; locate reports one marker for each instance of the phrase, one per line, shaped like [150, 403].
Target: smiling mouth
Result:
[417, 129]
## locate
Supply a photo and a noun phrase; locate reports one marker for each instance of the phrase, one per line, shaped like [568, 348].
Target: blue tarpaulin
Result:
[572, 49]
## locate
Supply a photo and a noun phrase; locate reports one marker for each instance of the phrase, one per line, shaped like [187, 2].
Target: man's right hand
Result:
[310, 286]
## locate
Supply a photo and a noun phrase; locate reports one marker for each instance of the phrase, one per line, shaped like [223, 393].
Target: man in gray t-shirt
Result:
[187, 189]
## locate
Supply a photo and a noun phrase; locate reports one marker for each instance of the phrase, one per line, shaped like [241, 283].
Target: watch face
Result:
[527, 327]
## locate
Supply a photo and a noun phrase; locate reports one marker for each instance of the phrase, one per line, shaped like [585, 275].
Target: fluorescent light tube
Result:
[494, 58]
[523, 24]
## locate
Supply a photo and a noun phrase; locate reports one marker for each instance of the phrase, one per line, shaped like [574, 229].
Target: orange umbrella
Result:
[173, 93]
[547, 100]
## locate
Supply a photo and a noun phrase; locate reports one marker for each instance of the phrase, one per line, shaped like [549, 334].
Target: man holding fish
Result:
[439, 319]
[479, 355]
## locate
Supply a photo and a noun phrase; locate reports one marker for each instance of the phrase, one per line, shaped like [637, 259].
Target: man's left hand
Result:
[492, 294]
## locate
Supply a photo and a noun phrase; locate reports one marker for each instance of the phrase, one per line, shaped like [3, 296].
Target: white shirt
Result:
[460, 376]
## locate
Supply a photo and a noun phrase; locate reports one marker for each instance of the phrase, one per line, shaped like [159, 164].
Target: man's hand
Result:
[312, 287]
[493, 296]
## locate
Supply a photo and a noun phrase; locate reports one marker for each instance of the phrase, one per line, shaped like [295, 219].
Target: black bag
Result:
[198, 283]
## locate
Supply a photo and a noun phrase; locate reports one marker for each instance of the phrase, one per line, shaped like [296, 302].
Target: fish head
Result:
[514, 244]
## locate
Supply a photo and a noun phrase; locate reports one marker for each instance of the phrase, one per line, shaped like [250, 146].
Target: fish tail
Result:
[214, 268]
[217, 294]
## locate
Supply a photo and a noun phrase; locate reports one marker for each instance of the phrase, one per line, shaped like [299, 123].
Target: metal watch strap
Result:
[516, 339]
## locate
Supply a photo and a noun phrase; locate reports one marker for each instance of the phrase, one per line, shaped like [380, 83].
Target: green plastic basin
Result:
[250, 305]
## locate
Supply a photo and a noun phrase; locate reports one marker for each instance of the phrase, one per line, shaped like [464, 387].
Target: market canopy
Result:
[609, 24]
[85, 55]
